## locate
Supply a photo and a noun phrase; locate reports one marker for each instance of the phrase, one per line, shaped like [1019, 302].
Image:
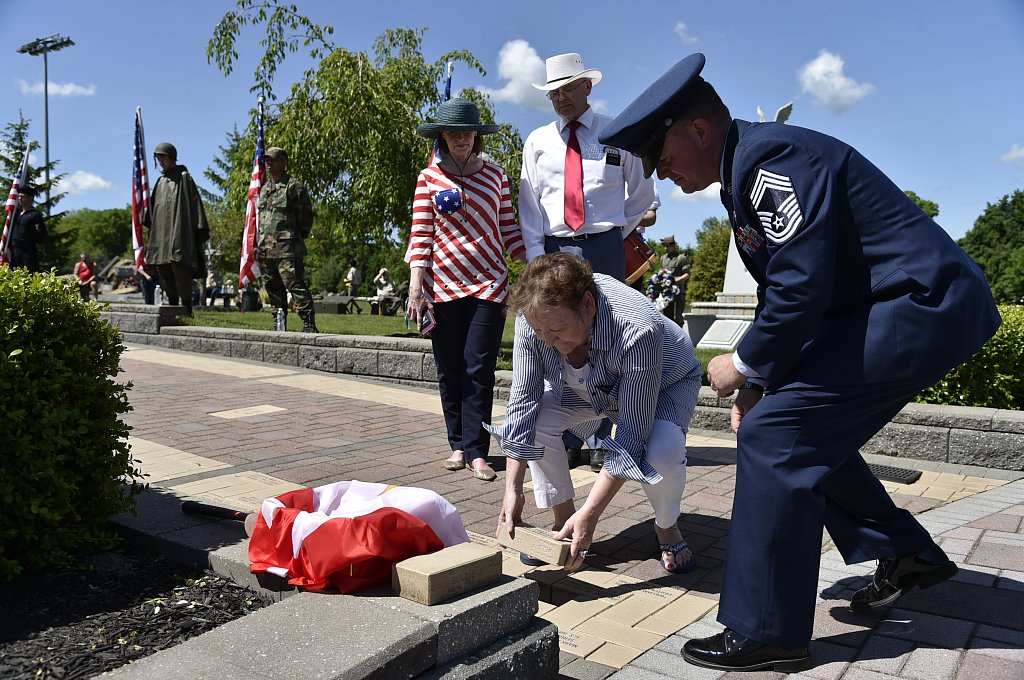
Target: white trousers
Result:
[666, 453]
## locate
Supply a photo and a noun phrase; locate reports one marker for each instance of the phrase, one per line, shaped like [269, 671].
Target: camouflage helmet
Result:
[166, 149]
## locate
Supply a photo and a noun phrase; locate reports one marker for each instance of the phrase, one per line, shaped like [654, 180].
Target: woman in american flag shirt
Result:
[462, 226]
[587, 347]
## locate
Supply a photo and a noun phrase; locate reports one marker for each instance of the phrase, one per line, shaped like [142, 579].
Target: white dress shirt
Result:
[615, 192]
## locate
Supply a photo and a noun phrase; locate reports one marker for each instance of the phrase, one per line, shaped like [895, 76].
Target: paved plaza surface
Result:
[234, 432]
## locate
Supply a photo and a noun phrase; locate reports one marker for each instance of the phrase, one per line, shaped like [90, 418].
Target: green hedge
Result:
[66, 466]
[994, 377]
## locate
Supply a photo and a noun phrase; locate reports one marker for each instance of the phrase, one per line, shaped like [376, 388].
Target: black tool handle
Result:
[197, 508]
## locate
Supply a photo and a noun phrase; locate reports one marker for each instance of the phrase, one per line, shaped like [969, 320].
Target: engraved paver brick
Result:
[611, 654]
[577, 643]
[575, 612]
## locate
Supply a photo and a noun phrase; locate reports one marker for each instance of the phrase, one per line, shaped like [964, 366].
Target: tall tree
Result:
[13, 139]
[349, 126]
[996, 242]
[707, 277]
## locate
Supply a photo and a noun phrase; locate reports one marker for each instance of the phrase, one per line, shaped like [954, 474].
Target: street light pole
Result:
[44, 46]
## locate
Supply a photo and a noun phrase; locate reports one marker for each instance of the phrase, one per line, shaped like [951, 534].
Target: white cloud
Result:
[599, 105]
[684, 33]
[80, 182]
[825, 80]
[58, 89]
[521, 66]
[712, 193]
[1014, 156]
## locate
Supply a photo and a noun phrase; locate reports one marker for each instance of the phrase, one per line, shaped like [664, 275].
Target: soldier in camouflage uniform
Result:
[286, 218]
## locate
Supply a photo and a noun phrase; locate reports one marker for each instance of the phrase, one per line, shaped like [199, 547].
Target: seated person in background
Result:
[85, 272]
[387, 290]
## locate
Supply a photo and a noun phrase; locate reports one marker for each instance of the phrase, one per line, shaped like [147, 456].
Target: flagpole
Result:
[248, 266]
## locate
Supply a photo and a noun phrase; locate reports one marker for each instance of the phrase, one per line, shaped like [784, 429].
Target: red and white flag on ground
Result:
[248, 268]
[12, 205]
[347, 535]
[140, 193]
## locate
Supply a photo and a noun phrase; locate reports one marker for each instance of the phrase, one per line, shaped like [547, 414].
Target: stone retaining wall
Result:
[952, 434]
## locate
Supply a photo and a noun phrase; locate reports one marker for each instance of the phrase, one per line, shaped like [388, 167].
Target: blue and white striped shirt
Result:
[642, 369]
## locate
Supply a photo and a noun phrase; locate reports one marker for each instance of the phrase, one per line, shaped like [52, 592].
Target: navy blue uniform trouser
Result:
[465, 342]
[606, 255]
[798, 469]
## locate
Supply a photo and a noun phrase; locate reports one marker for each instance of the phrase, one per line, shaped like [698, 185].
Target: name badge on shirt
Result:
[612, 156]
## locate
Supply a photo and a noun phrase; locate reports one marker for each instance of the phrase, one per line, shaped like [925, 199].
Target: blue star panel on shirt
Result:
[775, 201]
[448, 201]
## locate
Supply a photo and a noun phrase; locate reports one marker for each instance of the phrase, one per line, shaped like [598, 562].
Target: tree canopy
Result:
[349, 126]
[14, 139]
[996, 242]
[707, 276]
[930, 208]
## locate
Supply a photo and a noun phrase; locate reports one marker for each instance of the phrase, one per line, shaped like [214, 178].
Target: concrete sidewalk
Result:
[233, 432]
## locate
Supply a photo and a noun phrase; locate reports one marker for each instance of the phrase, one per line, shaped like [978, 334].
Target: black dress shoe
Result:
[573, 455]
[730, 651]
[596, 459]
[896, 575]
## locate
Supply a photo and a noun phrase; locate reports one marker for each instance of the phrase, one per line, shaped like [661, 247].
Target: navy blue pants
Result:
[606, 255]
[603, 251]
[798, 469]
[466, 341]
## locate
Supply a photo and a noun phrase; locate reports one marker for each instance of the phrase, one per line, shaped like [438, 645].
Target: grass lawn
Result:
[358, 324]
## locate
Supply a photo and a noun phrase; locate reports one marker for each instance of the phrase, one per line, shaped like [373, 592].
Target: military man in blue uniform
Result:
[863, 301]
[27, 231]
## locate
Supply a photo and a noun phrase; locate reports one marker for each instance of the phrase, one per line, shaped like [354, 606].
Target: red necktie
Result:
[573, 180]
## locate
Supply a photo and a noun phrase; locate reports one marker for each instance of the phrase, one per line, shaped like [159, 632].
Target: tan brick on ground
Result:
[161, 462]
[619, 633]
[574, 613]
[638, 607]
[677, 614]
[616, 656]
[580, 644]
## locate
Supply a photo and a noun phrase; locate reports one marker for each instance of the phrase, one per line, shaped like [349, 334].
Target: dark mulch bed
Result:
[114, 607]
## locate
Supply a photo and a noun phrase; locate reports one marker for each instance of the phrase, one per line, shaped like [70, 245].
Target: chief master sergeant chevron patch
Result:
[776, 205]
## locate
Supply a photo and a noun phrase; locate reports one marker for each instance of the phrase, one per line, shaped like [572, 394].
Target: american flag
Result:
[249, 269]
[12, 205]
[140, 193]
[435, 154]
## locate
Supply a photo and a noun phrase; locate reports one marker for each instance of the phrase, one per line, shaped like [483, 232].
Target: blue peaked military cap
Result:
[640, 128]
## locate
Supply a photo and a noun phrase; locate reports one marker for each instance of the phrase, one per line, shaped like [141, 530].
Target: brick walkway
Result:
[233, 432]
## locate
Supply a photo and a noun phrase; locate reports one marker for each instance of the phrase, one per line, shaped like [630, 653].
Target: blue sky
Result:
[931, 91]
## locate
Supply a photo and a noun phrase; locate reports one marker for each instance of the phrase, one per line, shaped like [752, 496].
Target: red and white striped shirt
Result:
[464, 251]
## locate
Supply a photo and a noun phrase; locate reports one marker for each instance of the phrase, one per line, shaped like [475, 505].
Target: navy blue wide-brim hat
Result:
[640, 128]
[457, 115]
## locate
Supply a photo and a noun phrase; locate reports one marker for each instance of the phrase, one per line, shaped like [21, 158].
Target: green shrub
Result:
[994, 377]
[66, 466]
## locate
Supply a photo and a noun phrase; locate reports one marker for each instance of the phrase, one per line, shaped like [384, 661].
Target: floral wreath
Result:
[662, 288]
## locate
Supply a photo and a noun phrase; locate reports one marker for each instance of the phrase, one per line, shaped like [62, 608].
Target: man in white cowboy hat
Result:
[576, 194]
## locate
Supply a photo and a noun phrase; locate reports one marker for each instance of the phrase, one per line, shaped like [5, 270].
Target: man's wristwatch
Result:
[752, 386]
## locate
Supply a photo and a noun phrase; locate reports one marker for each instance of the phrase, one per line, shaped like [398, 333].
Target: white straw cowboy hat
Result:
[563, 69]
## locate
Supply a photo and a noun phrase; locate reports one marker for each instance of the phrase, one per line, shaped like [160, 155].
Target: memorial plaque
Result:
[724, 334]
